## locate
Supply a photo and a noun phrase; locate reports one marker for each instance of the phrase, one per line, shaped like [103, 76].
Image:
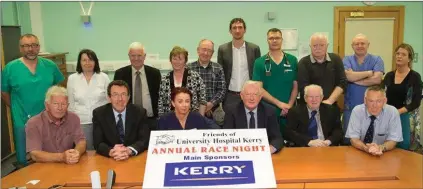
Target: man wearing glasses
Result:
[55, 135]
[322, 68]
[120, 129]
[144, 82]
[374, 126]
[24, 83]
[212, 75]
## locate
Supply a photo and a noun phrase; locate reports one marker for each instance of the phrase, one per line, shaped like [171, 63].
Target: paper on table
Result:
[33, 182]
[95, 179]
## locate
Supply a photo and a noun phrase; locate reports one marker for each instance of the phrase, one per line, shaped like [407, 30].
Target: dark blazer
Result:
[224, 58]
[153, 77]
[298, 120]
[236, 118]
[105, 133]
[171, 122]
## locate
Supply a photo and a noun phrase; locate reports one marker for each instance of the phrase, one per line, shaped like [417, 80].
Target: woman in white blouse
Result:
[87, 90]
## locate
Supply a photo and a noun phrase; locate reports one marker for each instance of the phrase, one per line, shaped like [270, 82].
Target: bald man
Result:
[323, 69]
[362, 70]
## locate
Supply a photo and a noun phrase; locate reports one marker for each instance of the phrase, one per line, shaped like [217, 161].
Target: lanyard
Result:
[267, 61]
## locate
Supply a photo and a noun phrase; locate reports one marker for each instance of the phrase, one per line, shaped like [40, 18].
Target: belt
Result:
[233, 92]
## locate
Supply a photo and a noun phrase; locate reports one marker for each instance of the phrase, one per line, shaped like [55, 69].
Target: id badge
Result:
[268, 73]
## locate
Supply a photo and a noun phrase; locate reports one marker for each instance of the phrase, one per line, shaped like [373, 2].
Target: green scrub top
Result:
[279, 83]
[27, 91]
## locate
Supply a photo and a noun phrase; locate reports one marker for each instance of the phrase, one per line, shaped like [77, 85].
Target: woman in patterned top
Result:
[181, 77]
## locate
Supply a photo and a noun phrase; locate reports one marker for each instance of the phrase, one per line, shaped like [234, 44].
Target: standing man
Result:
[24, 83]
[212, 75]
[277, 71]
[362, 70]
[143, 81]
[322, 68]
[237, 58]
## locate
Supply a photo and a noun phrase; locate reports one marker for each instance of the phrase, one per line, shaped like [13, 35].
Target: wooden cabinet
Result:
[60, 60]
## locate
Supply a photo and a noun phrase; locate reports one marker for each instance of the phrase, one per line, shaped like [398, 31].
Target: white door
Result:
[379, 31]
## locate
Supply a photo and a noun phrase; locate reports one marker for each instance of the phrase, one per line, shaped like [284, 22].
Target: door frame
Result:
[339, 9]
[364, 9]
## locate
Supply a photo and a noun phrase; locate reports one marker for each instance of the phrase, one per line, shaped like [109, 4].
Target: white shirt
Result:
[247, 111]
[146, 99]
[85, 97]
[240, 72]
[319, 124]
[123, 122]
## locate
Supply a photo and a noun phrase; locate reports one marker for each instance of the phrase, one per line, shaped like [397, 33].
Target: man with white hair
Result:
[143, 81]
[55, 135]
[314, 124]
[362, 70]
[250, 113]
[374, 126]
[322, 68]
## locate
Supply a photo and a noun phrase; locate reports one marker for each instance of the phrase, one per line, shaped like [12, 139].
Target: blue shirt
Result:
[387, 125]
[247, 111]
[355, 93]
[117, 117]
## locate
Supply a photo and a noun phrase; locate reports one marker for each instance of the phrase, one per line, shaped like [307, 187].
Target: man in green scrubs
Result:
[24, 83]
[277, 70]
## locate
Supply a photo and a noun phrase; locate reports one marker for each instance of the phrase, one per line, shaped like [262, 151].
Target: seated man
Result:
[52, 134]
[374, 126]
[313, 124]
[120, 129]
[250, 113]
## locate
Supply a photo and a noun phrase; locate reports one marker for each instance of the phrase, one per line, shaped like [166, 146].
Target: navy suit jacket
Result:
[171, 122]
[236, 118]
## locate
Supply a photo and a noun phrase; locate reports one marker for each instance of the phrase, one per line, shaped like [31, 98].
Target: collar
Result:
[309, 110]
[247, 111]
[242, 47]
[199, 65]
[117, 113]
[313, 60]
[377, 116]
[142, 70]
[57, 123]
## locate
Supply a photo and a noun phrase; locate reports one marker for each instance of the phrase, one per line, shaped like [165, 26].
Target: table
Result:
[327, 167]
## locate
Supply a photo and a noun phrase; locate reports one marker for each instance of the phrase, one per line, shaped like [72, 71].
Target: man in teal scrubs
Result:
[24, 83]
[277, 70]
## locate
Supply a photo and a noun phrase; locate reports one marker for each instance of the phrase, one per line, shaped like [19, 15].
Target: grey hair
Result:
[55, 91]
[136, 45]
[201, 41]
[251, 82]
[375, 88]
[319, 36]
[308, 87]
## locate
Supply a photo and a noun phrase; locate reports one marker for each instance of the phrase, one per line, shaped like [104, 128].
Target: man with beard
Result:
[237, 59]
[24, 83]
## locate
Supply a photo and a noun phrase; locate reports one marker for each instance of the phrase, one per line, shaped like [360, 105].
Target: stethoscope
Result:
[267, 61]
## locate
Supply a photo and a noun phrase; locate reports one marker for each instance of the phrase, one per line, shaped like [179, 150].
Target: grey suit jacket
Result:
[236, 118]
[224, 58]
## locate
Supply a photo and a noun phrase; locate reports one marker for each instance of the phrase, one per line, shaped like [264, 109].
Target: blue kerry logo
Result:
[208, 173]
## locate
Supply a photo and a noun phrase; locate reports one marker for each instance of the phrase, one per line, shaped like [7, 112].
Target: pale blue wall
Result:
[161, 25]
[16, 13]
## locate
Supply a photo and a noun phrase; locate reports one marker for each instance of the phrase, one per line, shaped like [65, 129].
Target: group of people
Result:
[295, 101]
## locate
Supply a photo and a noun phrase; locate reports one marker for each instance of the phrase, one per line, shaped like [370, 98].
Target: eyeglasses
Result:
[57, 105]
[117, 95]
[34, 45]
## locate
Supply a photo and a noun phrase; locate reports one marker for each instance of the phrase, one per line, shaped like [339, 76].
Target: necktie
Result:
[370, 131]
[252, 121]
[312, 127]
[120, 128]
[138, 90]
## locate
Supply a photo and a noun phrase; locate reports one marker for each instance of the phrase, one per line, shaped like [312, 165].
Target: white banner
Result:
[230, 158]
